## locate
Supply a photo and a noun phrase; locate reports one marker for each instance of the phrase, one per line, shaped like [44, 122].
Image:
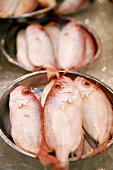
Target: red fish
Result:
[53, 30]
[26, 124]
[22, 56]
[71, 47]
[70, 6]
[97, 113]
[63, 119]
[25, 116]
[25, 6]
[45, 92]
[40, 49]
[7, 8]
[90, 48]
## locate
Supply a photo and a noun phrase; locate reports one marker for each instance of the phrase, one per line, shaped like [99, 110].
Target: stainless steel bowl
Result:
[8, 42]
[37, 14]
[37, 80]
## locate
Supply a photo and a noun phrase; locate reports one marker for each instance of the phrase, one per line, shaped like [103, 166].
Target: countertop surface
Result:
[99, 16]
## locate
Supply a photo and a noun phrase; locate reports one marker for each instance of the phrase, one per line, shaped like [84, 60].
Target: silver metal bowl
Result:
[37, 80]
[37, 14]
[8, 42]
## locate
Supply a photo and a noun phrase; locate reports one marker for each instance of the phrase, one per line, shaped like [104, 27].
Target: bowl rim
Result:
[61, 18]
[34, 13]
[11, 144]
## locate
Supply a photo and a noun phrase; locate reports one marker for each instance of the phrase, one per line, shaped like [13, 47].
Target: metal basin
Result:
[10, 51]
[37, 80]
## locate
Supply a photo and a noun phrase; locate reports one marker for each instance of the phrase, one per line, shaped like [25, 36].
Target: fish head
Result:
[62, 85]
[86, 87]
[22, 95]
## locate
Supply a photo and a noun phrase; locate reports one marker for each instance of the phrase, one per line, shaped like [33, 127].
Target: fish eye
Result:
[26, 91]
[86, 83]
[57, 86]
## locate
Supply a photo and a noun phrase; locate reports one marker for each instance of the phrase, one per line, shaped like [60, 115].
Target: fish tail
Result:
[61, 166]
[52, 71]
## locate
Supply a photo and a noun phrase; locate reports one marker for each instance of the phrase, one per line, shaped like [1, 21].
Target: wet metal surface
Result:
[100, 17]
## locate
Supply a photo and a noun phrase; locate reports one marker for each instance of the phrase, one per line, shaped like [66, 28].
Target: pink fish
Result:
[25, 6]
[7, 8]
[71, 46]
[25, 116]
[53, 30]
[40, 49]
[90, 48]
[70, 6]
[47, 3]
[97, 113]
[45, 92]
[22, 55]
[26, 124]
[63, 119]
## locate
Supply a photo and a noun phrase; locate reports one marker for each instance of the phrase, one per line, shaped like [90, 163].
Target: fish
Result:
[7, 8]
[25, 6]
[70, 6]
[90, 48]
[62, 120]
[22, 55]
[71, 47]
[45, 92]
[26, 119]
[47, 3]
[53, 30]
[40, 49]
[97, 113]
[26, 124]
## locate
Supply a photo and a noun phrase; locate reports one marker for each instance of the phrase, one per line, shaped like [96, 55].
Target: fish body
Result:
[25, 117]
[25, 6]
[47, 3]
[63, 118]
[70, 6]
[22, 55]
[40, 50]
[53, 30]
[97, 111]
[71, 46]
[7, 7]
[90, 48]
[45, 92]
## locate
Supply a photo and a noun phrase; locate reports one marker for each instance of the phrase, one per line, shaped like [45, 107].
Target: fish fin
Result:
[46, 159]
[65, 72]
[79, 150]
[61, 166]
[90, 140]
[100, 148]
[38, 68]
[52, 71]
